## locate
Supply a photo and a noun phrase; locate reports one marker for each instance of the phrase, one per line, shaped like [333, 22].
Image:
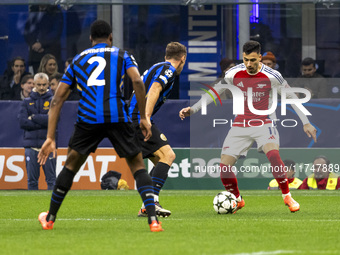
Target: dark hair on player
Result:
[252, 46]
[324, 158]
[308, 61]
[175, 50]
[100, 29]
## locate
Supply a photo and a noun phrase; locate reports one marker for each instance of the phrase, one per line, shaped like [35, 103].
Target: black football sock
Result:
[62, 186]
[159, 175]
[145, 189]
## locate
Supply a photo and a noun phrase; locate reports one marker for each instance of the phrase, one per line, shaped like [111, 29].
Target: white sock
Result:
[284, 195]
[156, 198]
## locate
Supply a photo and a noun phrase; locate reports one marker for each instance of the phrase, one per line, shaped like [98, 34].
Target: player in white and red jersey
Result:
[249, 127]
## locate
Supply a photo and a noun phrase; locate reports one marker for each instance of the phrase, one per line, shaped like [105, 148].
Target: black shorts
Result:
[157, 140]
[86, 137]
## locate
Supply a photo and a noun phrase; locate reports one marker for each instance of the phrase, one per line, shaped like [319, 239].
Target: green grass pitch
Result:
[106, 222]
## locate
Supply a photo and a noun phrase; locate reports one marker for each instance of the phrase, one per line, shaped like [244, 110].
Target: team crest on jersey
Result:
[168, 73]
[261, 86]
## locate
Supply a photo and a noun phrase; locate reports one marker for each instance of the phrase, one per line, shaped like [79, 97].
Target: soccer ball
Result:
[225, 202]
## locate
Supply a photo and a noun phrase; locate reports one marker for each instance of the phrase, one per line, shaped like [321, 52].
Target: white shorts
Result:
[240, 139]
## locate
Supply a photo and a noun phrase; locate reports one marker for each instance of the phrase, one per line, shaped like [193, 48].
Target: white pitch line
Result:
[284, 251]
[292, 220]
[266, 252]
[84, 219]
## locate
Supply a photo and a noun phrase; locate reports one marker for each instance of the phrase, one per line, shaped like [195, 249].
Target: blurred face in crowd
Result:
[320, 168]
[19, 66]
[53, 85]
[27, 86]
[308, 71]
[230, 66]
[41, 85]
[42, 7]
[269, 63]
[66, 65]
[252, 62]
[51, 66]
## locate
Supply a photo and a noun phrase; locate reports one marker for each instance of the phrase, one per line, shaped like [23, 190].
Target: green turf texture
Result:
[106, 222]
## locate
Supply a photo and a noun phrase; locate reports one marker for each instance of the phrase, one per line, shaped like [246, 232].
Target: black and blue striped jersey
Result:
[98, 73]
[164, 74]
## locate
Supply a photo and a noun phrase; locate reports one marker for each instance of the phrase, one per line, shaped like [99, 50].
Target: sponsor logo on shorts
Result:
[272, 137]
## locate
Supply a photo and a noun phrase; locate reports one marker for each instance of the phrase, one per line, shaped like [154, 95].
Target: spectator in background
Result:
[10, 82]
[225, 65]
[54, 81]
[48, 65]
[269, 59]
[27, 84]
[67, 63]
[42, 33]
[322, 178]
[294, 183]
[33, 118]
[311, 80]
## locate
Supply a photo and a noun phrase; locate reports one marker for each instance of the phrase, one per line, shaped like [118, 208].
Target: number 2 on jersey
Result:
[93, 79]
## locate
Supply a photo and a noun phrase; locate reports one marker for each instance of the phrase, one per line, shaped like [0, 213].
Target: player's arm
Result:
[308, 128]
[61, 94]
[218, 89]
[209, 97]
[139, 89]
[152, 97]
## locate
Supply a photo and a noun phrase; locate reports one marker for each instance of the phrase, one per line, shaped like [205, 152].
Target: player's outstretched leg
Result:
[280, 175]
[145, 189]
[62, 186]
[158, 179]
[159, 175]
[229, 181]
